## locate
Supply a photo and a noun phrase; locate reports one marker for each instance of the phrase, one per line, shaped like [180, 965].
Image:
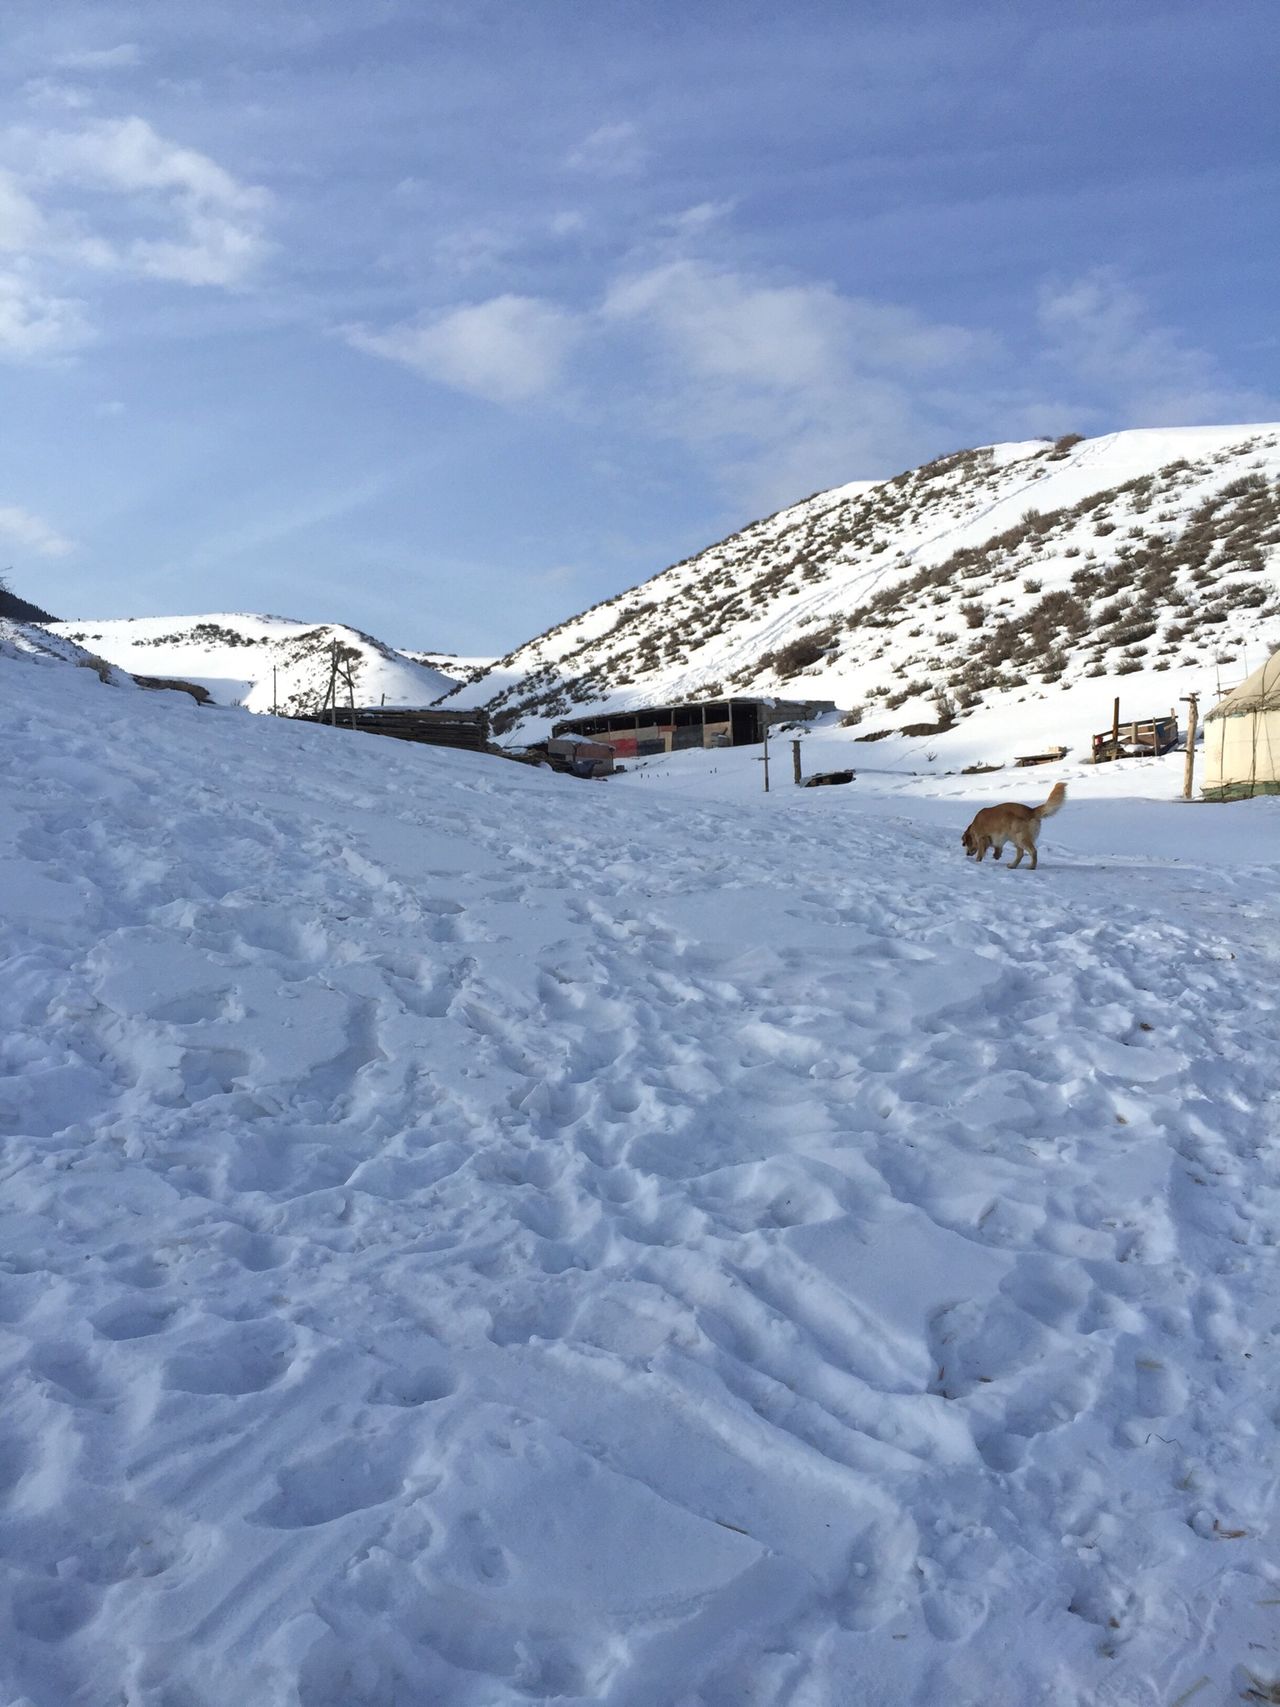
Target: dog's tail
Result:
[1057, 794]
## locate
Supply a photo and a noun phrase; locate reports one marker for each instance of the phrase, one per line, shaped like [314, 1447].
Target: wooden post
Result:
[795, 760]
[766, 757]
[333, 685]
[1115, 727]
[1193, 717]
[275, 696]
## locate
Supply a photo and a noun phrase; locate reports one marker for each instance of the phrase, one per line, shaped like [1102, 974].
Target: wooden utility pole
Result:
[1115, 729]
[795, 761]
[766, 758]
[275, 696]
[333, 685]
[1193, 717]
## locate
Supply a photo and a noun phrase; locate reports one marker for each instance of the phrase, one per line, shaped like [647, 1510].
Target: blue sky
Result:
[447, 320]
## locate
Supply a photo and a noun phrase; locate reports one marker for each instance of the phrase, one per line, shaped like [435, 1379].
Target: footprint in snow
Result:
[410, 1387]
[234, 1363]
[350, 1476]
[130, 1321]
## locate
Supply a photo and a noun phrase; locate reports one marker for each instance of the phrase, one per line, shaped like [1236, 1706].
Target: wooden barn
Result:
[653, 729]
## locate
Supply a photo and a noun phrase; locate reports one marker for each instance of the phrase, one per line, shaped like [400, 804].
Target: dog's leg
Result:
[1018, 861]
[1035, 857]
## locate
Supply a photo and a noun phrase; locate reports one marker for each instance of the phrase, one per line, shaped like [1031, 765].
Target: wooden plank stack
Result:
[467, 729]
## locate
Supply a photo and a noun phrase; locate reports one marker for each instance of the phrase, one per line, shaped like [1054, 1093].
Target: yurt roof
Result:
[1258, 692]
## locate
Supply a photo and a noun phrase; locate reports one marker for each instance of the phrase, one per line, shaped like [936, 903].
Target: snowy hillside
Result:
[1036, 572]
[256, 661]
[472, 1238]
[36, 643]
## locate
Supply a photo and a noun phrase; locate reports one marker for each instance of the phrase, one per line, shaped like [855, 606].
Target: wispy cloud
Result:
[51, 92]
[509, 349]
[611, 151]
[784, 386]
[120, 57]
[219, 219]
[111, 196]
[693, 221]
[272, 525]
[1102, 332]
[726, 325]
[35, 325]
[28, 532]
[22, 226]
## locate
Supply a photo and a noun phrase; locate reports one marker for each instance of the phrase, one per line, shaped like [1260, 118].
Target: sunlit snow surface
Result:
[475, 1237]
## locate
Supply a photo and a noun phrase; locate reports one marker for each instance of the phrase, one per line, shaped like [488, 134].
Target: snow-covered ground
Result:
[472, 1237]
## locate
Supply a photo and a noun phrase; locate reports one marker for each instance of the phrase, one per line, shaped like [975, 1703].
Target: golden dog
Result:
[996, 825]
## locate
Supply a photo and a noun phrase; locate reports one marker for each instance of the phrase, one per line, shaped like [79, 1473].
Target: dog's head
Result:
[969, 842]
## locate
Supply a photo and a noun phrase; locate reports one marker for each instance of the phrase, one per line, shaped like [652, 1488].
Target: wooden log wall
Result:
[467, 729]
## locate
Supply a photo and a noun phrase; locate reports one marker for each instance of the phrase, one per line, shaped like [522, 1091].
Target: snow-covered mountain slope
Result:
[479, 1239]
[985, 579]
[476, 679]
[258, 661]
[37, 643]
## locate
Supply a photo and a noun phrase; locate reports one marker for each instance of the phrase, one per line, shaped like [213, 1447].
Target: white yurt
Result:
[1242, 738]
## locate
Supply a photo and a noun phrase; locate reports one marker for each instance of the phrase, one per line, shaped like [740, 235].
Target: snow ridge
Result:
[262, 661]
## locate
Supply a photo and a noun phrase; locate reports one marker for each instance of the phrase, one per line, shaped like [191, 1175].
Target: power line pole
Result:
[1193, 717]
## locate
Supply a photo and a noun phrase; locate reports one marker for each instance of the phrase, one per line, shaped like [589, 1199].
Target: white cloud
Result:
[149, 207]
[785, 386]
[220, 238]
[31, 533]
[36, 326]
[473, 248]
[509, 349]
[694, 221]
[1101, 330]
[47, 92]
[101, 58]
[22, 226]
[611, 151]
[789, 337]
[128, 155]
[210, 224]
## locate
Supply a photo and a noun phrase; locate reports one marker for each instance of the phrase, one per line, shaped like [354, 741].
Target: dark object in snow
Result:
[202, 696]
[1048, 757]
[828, 779]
